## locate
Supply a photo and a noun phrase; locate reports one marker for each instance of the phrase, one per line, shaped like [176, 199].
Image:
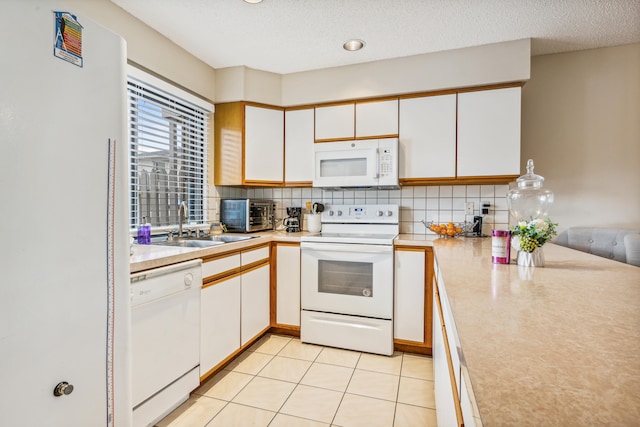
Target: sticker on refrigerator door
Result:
[67, 44]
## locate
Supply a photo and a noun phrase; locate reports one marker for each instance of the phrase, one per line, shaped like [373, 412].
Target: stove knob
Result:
[378, 213]
[330, 213]
[339, 213]
[389, 213]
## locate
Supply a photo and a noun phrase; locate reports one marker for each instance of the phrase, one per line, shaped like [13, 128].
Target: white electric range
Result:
[347, 278]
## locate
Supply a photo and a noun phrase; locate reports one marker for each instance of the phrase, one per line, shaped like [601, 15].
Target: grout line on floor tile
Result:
[306, 371]
[345, 391]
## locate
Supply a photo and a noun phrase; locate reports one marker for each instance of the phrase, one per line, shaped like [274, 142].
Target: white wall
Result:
[247, 84]
[473, 66]
[150, 49]
[581, 126]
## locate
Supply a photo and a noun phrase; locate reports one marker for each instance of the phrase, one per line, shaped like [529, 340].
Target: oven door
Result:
[354, 279]
[259, 216]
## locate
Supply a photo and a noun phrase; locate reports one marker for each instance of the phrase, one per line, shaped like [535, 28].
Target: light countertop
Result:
[542, 346]
[145, 257]
[546, 346]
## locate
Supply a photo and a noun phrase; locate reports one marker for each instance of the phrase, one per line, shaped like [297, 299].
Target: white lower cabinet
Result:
[288, 284]
[219, 334]
[445, 400]
[234, 305]
[254, 303]
[409, 310]
[454, 406]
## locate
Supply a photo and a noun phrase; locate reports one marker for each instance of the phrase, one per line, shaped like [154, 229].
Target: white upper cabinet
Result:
[364, 119]
[428, 137]
[335, 122]
[298, 143]
[377, 118]
[489, 132]
[264, 144]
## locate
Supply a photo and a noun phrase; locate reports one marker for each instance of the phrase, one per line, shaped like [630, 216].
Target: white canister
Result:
[314, 225]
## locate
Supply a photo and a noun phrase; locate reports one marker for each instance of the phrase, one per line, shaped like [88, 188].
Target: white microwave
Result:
[364, 163]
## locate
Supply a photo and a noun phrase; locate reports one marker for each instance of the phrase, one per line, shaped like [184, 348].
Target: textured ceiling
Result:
[286, 36]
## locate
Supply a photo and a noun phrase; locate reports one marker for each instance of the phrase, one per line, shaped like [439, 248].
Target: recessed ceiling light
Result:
[352, 45]
[253, 1]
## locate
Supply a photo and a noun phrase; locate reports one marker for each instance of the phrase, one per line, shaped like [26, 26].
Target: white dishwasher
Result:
[165, 334]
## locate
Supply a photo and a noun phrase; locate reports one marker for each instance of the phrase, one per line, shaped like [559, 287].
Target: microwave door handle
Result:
[377, 174]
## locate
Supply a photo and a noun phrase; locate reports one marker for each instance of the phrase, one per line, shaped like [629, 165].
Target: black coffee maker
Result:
[293, 223]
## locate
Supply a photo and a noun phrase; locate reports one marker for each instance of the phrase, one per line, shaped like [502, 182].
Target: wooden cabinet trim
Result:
[286, 243]
[427, 94]
[209, 258]
[299, 107]
[212, 257]
[409, 248]
[228, 117]
[425, 347]
[212, 280]
[255, 265]
[232, 356]
[428, 296]
[273, 298]
[260, 105]
[372, 100]
[220, 278]
[254, 183]
[293, 184]
[461, 180]
[334, 104]
[410, 95]
[258, 246]
[393, 135]
[452, 376]
[273, 284]
[490, 87]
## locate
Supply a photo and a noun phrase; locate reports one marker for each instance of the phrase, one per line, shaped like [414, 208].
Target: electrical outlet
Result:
[485, 208]
[468, 208]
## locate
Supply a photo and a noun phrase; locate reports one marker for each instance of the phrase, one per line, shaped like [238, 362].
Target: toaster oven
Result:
[247, 215]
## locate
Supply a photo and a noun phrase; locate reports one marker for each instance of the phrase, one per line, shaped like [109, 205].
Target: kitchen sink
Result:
[189, 243]
[204, 242]
[224, 238]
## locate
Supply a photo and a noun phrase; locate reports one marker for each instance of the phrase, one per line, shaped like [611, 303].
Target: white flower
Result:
[540, 225]
[522, 224]
[515, 243]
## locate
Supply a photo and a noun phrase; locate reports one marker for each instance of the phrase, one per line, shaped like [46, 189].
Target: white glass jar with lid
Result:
[529, 200]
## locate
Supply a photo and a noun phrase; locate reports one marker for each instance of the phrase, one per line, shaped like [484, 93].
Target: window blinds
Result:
[168, 143]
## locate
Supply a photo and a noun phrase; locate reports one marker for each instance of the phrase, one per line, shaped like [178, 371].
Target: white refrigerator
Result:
[64, 245]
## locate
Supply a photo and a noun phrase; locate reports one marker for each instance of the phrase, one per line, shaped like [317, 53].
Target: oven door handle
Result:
[347, 247]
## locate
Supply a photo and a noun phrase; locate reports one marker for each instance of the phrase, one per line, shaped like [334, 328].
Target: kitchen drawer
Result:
[217, 266]
[251, 256]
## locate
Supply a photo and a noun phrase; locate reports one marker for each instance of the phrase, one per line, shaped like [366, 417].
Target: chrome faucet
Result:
[183, 213]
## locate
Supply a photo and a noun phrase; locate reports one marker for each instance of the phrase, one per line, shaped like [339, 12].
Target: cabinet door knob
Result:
[63, 388]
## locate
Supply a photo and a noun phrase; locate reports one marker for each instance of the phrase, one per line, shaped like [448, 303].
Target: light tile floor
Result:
[281, 382]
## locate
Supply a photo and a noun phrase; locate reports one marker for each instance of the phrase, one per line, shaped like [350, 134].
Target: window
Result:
[168, 152]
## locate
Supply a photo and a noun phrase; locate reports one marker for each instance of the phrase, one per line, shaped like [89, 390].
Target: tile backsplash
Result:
[445, 203]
